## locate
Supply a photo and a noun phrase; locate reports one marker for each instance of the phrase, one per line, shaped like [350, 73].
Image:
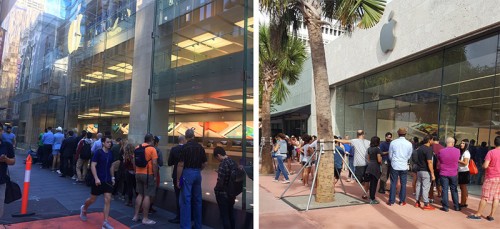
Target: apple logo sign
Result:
[387, 38]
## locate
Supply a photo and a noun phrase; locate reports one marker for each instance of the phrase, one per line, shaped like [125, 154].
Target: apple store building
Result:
[434, 73]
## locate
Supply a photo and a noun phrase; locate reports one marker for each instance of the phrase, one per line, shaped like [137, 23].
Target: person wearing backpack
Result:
[83, 153]
[225, 201]
[146, 168]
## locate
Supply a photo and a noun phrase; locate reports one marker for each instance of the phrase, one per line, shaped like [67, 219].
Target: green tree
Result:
[349, 13]
[278, 67]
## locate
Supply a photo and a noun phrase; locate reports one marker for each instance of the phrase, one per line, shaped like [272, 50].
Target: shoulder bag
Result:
[12, 190]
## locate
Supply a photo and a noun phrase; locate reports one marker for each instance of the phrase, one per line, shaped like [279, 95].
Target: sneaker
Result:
[83, 214]
[490, 218]
[374, 202]
[106, 225]
[402, 203]
[475, 217]
[58, 172]
[286, 182]
[276, 181]
[444, 209]
[428, 207]
[417, 205]
[74, 177]
[431, 201]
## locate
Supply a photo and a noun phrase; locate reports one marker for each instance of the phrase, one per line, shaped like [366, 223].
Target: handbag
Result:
[472, 167]
[12, 191]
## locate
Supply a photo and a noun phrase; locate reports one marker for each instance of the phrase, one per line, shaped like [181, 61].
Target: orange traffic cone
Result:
[24, 203]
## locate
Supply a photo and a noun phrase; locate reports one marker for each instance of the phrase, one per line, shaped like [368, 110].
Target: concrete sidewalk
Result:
[274, 213]
[64, 198]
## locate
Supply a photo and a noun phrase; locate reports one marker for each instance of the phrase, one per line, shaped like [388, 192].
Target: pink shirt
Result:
[493, 170]
[448, 157]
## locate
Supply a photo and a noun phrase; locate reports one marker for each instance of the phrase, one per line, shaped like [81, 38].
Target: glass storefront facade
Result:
[202, 64]
[453, 92]
[202, 75]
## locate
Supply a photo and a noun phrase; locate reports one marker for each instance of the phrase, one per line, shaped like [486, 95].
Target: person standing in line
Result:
[97, 145]
[83, 153]
[463, 172]
[68, 151]
[338, 163]
[350, 158]
[281, 151]
[56, 149]
[117, 164]
[399, 153]
[173, 159]
[425, 173]
[384, 148]
[40, 150]
[48, 141]
[192, 160]
[360, 148]
[481, 154]
[145, 179]
[306, 159]
[7, 157]
[374, 159]
[491, 186]
[436, 147]
[448, 159]
[224, 200]
[102, 171]
[128, 165]
[156, 142]
[9, 137]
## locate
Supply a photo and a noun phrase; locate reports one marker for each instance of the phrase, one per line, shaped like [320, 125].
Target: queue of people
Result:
[431, 165]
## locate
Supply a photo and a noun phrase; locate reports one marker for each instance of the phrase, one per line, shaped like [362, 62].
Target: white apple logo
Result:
[387, 38]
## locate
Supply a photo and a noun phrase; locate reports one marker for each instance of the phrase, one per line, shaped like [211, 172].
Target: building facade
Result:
[437, 75]
[134, 67]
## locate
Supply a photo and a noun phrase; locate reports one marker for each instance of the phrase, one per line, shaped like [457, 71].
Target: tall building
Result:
[135, 67]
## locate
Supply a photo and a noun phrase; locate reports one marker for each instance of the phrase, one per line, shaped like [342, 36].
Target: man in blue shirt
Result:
[384, 148]
[9, 137]
[399, 153]
[102, 171]
[48, 141]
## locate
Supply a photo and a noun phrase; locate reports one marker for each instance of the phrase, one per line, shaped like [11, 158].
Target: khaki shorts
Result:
[145, 184]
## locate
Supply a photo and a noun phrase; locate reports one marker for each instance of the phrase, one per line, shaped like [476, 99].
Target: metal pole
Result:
[151, 76]
[315, 175]
[360, 185]
[244, 118]
[299, 173]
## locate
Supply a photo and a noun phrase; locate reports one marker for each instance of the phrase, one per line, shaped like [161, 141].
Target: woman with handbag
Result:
[7, 157]
[463, 172]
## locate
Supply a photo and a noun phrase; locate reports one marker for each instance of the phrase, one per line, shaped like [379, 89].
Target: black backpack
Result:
[86, 154]
[235, 186]
[140, 156]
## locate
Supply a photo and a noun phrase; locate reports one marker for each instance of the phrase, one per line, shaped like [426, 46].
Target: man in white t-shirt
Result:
[360, 145]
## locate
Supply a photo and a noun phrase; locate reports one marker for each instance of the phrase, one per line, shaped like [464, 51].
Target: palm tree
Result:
[349, 13]
[278, 67]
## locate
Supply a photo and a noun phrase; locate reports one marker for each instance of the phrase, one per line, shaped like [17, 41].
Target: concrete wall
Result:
[420, 26]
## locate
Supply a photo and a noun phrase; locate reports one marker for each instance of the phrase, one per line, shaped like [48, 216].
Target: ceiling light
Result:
[88, 81]
[82, 85]
[191, 107]
[199, 48]
[210, 106]
[118, 112]
[242, 22]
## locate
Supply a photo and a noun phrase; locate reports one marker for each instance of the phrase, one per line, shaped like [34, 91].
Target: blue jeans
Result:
[190, 191]
[351, 166]
[281, 168]
[226, 209]
[402, 174]
[451, 183]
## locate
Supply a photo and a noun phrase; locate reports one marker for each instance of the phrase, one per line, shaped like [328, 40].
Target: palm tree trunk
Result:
[325, 190]
[265, 114]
